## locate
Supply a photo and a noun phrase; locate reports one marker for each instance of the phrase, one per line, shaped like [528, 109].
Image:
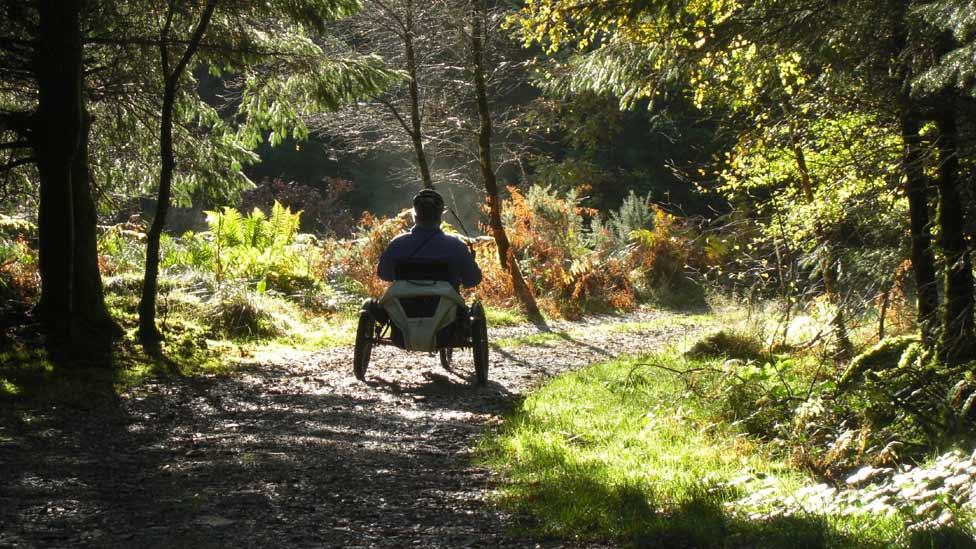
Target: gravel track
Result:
[291, 450]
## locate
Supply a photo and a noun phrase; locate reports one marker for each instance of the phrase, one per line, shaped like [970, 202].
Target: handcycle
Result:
[422, 311]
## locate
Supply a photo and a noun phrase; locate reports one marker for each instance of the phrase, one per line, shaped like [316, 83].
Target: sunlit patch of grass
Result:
[187, 352]
[504, 317]
[624, 453]
[196, 345]
[22, 369]
[312, 332]
[27, 372]
[135, 375]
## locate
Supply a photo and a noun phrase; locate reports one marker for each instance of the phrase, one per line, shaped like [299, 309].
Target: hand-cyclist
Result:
[426, 243]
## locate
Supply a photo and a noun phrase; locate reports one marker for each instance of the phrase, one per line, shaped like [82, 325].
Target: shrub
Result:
[322, 204]
[496, 286]
[19, 279]
[759, 395]
[255, 248]
[18, 269]
[727, 344]
[190, 252]
[571, 268]
[357, 259]
[122, 249]
[569, 277]
[635, 214]
[242, 315]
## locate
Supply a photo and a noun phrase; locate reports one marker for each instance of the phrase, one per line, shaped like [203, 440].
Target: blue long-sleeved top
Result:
[426, 242]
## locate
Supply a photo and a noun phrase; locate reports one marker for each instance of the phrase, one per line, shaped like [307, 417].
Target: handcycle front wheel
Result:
[365, 332]
[479, 342]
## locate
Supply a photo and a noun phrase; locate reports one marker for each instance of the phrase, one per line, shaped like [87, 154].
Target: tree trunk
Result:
[56, 135]
[72, 303]
[828, 263]
[923, 260]
[505, 253]
[149, 335]
[416, 133]
[957, 322]
[91, 314]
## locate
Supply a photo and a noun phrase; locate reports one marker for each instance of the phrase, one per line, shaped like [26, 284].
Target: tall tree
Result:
[59, 59]
[897, 71]
[957, 340]
[72, 301]
[892, 60]
[171, 75]
[506, 255]
[951, 81]
[917, 194]
[409, 35]
[276, 72]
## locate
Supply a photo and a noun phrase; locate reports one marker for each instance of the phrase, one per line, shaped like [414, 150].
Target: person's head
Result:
[427, 207]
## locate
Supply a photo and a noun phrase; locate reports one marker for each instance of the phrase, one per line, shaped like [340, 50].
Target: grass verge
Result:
[627, 453]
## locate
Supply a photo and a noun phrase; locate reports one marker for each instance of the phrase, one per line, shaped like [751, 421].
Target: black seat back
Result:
[423, 269]
[421, 306]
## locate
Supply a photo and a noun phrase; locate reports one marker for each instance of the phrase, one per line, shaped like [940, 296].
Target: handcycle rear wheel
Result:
[365, 332]
[479, 342]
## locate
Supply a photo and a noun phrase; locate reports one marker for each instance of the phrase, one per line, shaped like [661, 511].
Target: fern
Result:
[253, 247]
[226, 226]
[255, 226]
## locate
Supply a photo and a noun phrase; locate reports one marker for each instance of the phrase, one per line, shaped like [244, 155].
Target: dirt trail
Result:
[292, 451]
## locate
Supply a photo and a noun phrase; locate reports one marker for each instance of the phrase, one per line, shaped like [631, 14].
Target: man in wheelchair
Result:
[423, 257]
[426, 250]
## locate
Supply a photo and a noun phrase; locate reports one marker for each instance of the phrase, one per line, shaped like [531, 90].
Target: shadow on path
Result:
[291, 454]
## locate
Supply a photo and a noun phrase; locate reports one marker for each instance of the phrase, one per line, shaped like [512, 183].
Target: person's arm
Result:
[386, 270]
[470, 272]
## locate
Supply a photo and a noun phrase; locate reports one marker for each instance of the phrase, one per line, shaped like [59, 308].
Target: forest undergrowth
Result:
[810, 167]
[254, 281]
[763, 406]
[731, 442]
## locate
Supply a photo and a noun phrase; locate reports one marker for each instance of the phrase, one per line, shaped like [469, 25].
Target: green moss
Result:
[886, 354]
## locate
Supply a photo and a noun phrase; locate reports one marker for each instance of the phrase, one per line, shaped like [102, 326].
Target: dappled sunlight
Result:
[291, 442]
[545, 273]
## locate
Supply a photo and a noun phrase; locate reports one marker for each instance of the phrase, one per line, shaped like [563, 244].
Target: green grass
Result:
[627, 453]
[504, 317]
[313, 332]
[27, 371]
[548, 339]
[193, 346]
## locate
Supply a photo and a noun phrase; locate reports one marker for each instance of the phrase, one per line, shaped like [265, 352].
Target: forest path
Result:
[292, 450]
